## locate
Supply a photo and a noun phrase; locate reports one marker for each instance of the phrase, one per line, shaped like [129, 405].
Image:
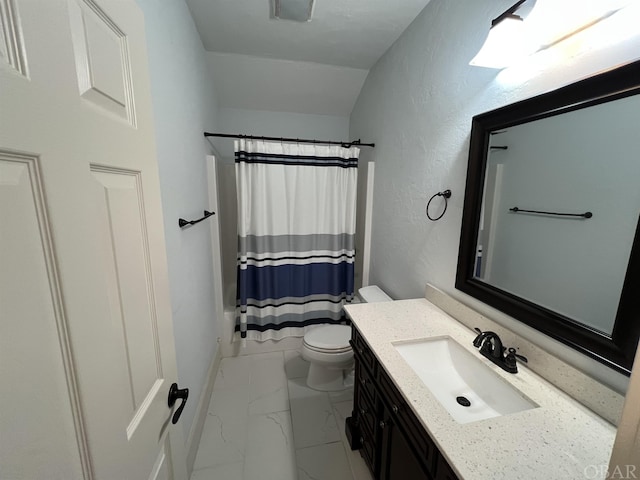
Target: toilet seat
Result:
[328, 339]
[327, 350]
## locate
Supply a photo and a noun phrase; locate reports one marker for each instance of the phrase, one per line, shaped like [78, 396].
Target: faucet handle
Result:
[510, 359]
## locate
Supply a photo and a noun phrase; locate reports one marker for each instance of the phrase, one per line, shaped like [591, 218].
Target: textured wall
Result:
[184, 106]
[417, 104]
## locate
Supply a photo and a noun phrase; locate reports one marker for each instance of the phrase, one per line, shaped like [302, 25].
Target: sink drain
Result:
[464, 401]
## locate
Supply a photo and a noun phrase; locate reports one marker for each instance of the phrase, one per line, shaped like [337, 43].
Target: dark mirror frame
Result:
[617, 351]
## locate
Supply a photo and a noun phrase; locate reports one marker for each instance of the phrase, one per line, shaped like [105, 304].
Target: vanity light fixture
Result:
[507, 40]
[296, 10]
[533, 25]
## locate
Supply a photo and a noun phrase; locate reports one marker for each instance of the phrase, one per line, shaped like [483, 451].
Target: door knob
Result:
[174, 394]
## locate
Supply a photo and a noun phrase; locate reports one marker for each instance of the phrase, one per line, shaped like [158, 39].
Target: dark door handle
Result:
[174, 394]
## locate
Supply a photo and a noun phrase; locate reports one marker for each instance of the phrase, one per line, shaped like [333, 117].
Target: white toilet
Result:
[328, 351]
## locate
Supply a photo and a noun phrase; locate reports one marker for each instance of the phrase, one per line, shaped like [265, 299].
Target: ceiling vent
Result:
[296, 10]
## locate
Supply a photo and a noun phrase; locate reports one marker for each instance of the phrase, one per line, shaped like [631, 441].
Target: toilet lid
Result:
[329, 337]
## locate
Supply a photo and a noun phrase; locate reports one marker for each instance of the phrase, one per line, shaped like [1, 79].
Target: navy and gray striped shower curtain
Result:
[296, 236]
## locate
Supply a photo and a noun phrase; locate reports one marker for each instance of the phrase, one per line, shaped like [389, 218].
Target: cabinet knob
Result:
[394, 408]
[363, 381]
[363, 411]
[361, 440]
[382, 424]
[361, 351]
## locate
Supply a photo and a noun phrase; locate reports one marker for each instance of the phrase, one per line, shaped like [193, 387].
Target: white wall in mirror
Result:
[581, 161]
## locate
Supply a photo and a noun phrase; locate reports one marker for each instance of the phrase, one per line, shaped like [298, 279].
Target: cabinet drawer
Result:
[362, 351]
[366, 384]
[366, 412]
[368, 449]
[408, 423]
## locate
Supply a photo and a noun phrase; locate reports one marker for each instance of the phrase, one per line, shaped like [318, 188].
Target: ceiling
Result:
[254, 83]
[353, 33]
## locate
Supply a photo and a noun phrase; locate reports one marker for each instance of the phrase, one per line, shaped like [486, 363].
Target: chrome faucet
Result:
[491, 347]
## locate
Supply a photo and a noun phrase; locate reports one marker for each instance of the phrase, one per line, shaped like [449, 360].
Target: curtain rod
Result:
[284, 139]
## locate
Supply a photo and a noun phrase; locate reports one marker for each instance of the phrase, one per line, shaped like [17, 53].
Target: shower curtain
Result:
[296, 236]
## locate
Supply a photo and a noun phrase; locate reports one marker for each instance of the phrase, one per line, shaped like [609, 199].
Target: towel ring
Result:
[446, 194]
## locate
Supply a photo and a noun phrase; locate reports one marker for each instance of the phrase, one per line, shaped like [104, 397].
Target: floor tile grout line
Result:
[321, 445]
[345, 444]
[293, 432]
[331, 401]
[338, 441]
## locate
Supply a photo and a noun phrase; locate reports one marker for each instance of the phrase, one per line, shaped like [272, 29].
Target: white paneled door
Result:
[86, 339]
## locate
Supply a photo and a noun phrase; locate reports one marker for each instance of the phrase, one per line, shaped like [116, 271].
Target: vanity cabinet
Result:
[397, 457]
[383, 427]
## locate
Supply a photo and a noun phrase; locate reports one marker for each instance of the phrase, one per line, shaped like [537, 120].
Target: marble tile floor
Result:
[264, 423]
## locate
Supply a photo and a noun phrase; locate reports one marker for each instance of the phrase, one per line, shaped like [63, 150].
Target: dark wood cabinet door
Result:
[398, 461]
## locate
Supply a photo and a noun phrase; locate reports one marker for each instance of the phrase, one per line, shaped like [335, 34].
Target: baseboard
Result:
[193, 442]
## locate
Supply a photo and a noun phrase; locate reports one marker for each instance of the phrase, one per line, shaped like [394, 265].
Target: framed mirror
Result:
[550, 229]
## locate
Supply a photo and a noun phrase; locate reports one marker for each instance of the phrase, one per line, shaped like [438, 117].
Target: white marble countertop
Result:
[560, 439]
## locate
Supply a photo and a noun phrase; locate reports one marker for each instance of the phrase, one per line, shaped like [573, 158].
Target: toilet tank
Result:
[372, 294]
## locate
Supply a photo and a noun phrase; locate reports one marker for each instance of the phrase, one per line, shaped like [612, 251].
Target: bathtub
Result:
[231, 346]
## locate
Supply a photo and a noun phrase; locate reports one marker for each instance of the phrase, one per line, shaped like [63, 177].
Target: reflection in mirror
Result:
[582, 161]
[550, 229]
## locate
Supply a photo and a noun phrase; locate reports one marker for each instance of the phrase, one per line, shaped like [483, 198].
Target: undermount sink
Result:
[467, 388]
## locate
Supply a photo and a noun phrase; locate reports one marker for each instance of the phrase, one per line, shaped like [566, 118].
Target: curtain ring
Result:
[446, 194]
